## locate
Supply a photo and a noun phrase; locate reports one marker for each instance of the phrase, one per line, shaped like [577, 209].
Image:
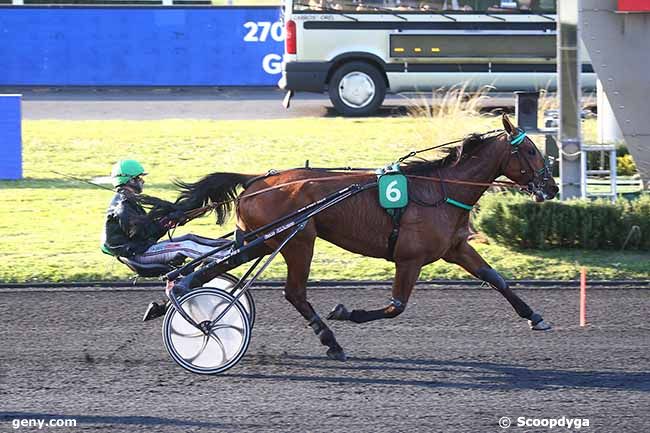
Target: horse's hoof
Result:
[540, 326]
[339, 313]
[337, 354]
[537, 323]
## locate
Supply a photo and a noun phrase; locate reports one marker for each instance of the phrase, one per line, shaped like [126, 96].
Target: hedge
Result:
[516, 220]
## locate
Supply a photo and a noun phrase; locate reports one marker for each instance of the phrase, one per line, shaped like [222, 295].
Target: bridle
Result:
[538, 179]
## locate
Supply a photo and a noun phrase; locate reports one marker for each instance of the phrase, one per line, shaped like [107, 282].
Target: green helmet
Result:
[125, 170]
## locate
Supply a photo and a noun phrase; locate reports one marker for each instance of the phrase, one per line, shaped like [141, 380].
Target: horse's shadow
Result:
[431, 373]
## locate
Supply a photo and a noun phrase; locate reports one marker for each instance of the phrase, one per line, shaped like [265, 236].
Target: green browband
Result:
[453, 202]
[518, 139]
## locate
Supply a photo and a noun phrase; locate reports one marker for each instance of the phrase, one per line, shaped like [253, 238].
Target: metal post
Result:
[568, 68]
[583, 296]
[612, 171]
[550, 144]
[11, 142]
[584, 157]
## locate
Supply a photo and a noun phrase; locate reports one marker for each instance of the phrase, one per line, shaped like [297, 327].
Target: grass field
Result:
[50, 227]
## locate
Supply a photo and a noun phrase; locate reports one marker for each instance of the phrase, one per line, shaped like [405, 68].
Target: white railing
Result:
[586, 172]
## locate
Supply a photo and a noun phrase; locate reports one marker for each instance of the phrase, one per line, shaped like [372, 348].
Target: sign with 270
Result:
[260, 32]
[143, 46]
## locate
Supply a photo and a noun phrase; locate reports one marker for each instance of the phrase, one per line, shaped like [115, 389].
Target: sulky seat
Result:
[147, 269]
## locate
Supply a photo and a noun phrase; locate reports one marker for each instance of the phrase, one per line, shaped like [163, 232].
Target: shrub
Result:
[515, 220]
[625, 165]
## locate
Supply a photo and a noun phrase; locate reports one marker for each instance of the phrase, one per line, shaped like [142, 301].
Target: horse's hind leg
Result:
[467, 257]
[406, 274]
[298, 255]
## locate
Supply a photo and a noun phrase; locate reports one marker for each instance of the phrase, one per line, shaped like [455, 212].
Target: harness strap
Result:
[396, 215]
[445, 198]
[269, 173]
[456, 203]
[240, 236]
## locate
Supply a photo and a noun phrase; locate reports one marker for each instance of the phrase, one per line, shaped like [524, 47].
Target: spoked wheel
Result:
[222, 347]
[227, 282]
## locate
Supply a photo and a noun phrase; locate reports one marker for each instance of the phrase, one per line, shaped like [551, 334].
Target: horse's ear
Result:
[507, 125]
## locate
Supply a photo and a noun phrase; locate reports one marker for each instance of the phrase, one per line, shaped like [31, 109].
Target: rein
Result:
[200, 211]
[506, 184]
[415, 152]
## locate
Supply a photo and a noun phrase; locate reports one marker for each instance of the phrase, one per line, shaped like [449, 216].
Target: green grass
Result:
[50, 227]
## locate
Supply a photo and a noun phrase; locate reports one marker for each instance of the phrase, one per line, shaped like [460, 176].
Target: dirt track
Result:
[455, 361]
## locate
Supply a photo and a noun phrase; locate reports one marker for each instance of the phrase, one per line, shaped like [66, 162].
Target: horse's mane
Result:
[452, 156]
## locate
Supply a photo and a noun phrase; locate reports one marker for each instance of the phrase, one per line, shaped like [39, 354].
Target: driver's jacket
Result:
[128, 231]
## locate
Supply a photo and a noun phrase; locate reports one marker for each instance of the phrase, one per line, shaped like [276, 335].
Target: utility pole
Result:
[569, 92]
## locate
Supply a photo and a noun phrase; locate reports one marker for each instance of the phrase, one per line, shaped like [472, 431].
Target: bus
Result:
[359, 50]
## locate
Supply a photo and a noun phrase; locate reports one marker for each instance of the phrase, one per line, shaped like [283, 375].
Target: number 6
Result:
[393, 194]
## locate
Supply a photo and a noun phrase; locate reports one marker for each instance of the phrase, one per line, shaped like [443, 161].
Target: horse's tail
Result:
[216, 191]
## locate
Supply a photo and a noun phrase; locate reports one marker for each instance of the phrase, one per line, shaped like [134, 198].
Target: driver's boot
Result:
[155, 310]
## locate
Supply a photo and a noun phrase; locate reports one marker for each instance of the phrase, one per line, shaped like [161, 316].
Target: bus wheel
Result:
[357, 89]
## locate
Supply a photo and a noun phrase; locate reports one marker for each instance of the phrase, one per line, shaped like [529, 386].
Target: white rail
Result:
[585, 172]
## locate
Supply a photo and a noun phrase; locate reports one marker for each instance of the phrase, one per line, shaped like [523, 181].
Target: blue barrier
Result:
[11, 166]
[140, 46]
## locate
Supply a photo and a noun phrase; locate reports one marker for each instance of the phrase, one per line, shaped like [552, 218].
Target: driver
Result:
[130, 233]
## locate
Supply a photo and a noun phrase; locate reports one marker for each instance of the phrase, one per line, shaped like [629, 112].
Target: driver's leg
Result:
[202, 240]
[166, 251]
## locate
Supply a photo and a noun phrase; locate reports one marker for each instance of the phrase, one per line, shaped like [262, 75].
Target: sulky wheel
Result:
[227, 282]
[219, 349]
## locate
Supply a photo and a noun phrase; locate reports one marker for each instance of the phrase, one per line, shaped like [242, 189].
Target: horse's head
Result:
[526, 165]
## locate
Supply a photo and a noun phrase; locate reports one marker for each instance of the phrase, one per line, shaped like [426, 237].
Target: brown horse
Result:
[430, 228]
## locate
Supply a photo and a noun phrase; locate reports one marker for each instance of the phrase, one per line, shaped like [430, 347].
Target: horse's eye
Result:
[531, 152]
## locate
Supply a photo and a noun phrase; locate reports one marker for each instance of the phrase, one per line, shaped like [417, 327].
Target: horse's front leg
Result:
[466, 256]
[406, 274]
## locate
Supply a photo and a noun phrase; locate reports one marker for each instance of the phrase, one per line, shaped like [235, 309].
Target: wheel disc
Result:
[216, 352]
[227, 282]
[356, 89]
